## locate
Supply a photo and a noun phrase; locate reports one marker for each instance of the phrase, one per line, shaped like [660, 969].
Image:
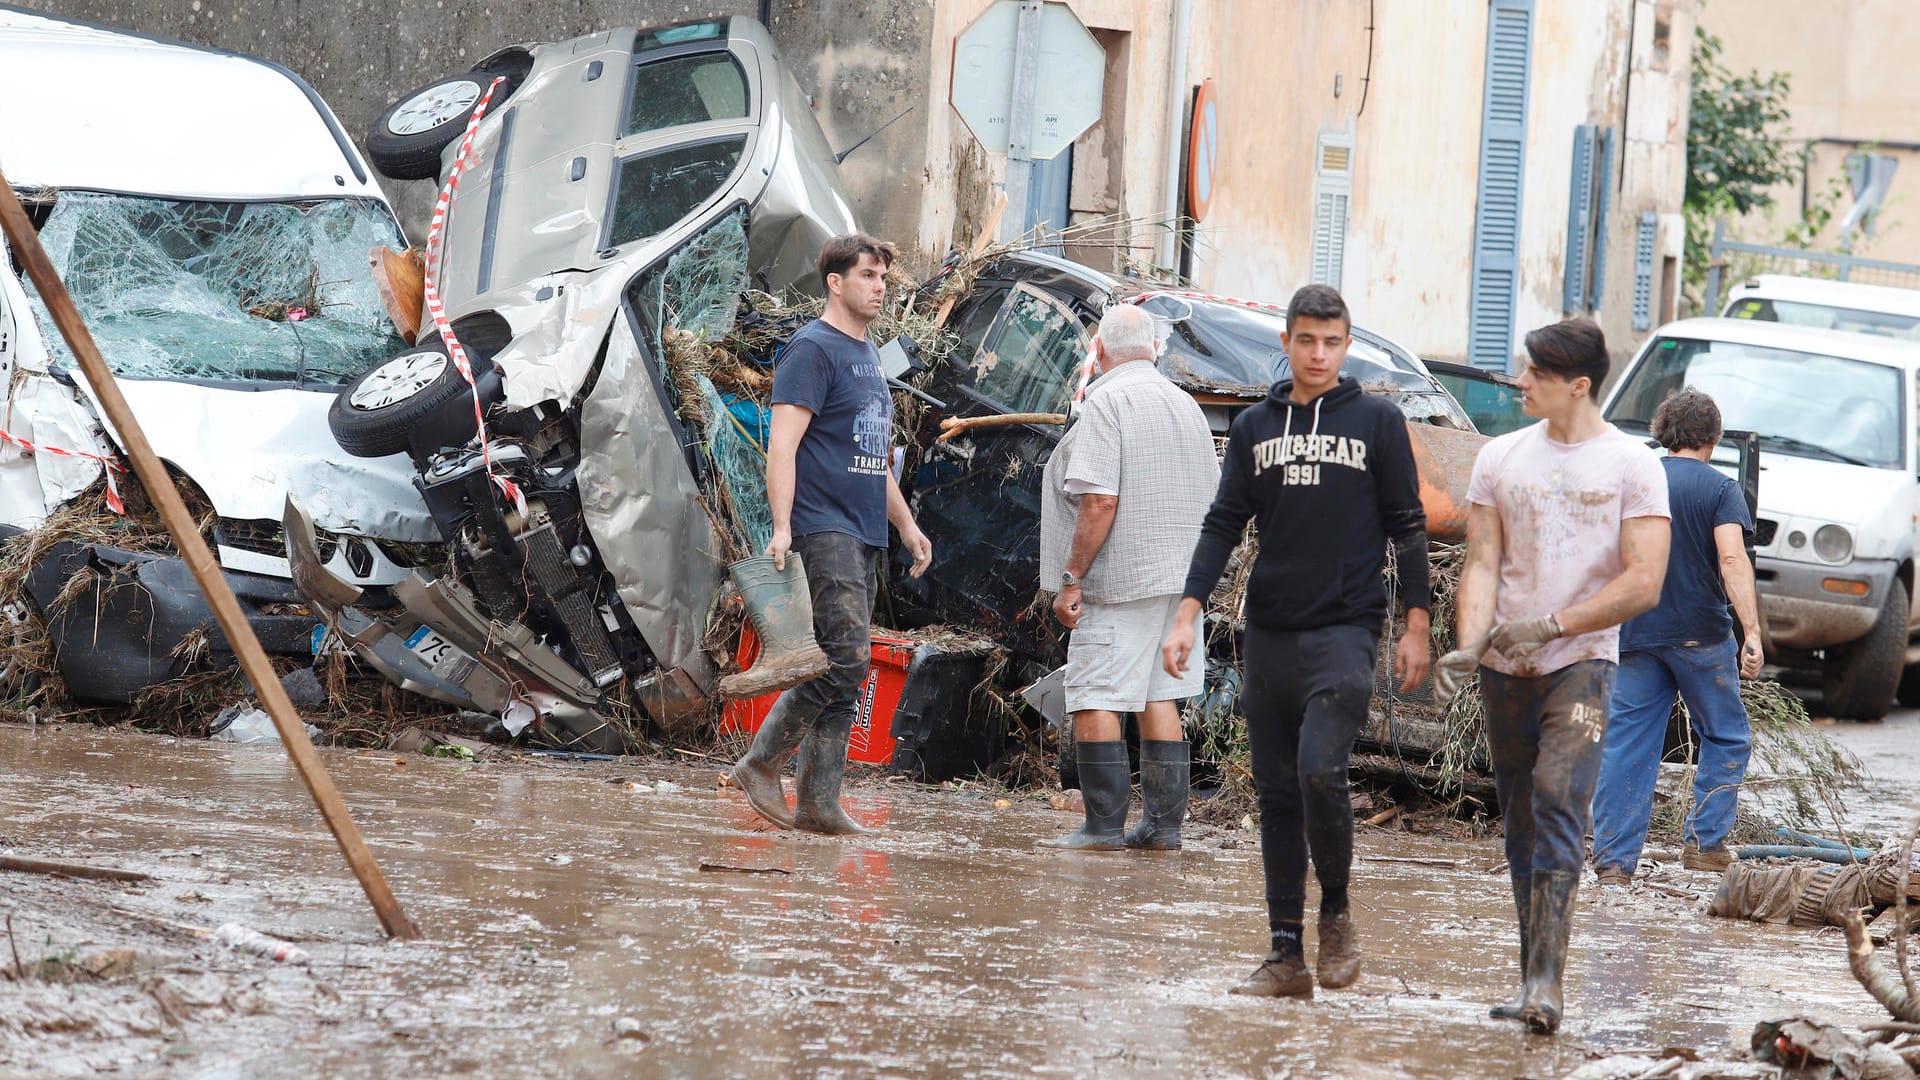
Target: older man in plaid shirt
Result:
[1123, 497]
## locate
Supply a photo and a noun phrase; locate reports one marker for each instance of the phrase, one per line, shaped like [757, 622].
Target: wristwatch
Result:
[1068, 581]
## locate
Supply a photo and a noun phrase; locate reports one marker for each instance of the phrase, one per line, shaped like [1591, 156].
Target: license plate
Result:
[442, 657]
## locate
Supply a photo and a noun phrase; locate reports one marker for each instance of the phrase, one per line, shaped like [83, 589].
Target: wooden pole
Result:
[979, 247]
[193, 550]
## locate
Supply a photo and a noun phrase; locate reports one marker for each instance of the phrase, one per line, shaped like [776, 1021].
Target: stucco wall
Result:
[1853, 78]
[858, 58]
[1416, 152]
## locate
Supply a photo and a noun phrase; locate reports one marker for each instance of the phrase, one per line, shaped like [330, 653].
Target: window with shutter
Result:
[1580, 213]
[1588, 200]
[1495, 288]
[1332, 188]
[1643, 271]
[1597, 280]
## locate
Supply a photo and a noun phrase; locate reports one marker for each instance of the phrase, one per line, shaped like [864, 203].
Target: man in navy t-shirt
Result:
[1684, 645]
[831, 488]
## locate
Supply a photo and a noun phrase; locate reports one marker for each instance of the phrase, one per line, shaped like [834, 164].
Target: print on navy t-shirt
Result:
[840, 482]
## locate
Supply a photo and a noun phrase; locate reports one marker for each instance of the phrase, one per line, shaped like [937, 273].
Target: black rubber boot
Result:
[822, 766]
[1166, 772]
[1523, 907]
[757, 773]
[1550, 927]
[1105, 785]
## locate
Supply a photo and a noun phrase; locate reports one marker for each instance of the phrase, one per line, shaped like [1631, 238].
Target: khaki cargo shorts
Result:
[1113, 659]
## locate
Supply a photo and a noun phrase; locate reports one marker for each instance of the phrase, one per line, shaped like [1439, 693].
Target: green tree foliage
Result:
[1736, 152]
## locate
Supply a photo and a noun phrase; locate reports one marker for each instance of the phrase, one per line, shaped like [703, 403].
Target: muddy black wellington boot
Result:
[1523, 907]
[822, 765]
[1106, 783]
[1166, 772]
[1550, 926]
[757, 773]
[781, 610]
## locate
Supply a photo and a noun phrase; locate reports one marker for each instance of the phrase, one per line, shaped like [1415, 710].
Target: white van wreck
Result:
[217, 248]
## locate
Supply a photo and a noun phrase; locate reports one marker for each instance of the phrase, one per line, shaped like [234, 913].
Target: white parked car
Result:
[1827, 305]
[213, 222]
[1836, 532]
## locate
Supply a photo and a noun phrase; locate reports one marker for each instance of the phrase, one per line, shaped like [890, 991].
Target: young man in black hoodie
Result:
[1326, 474]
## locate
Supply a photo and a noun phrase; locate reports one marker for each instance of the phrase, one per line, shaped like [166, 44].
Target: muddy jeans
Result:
[1707, 678]
[1545, 735]
[1305, 696]
[843, 580]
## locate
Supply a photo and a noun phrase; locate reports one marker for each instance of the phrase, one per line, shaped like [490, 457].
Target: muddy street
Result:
[621, 919]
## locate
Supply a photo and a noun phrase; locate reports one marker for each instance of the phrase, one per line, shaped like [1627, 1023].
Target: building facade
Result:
[1463, 170]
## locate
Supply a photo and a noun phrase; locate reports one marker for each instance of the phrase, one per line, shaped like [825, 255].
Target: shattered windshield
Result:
[227, 292]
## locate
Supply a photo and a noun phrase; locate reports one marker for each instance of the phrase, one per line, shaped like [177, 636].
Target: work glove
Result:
[1451, 672]
[1518, 640]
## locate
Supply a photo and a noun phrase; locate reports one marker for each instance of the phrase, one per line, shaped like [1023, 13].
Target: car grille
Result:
[1763, 530]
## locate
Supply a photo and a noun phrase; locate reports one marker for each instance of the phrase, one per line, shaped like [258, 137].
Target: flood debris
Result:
[25, 865]
[243, 939]
[1799, 1043]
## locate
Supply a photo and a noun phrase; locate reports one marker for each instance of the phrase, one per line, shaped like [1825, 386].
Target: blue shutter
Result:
[1495, 292]
[1597, 284]
[1643, 271]
[1580, 198]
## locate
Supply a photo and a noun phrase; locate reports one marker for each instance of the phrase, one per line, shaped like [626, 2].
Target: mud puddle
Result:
[574, 931]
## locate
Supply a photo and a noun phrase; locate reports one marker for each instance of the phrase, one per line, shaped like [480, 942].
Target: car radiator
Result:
[548, 564]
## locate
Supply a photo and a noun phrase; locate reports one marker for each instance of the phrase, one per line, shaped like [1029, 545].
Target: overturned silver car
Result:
[620, 189]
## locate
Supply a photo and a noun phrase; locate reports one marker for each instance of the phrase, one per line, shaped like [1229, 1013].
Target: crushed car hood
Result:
[248, 449]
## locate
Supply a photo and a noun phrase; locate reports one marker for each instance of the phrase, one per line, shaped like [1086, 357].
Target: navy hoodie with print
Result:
[1326, 485]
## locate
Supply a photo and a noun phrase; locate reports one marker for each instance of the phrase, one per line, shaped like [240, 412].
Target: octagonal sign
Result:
[1067, 95]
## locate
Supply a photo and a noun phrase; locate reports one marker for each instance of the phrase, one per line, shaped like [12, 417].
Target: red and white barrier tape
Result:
[1086, 368]
[430, 286]
[108, 465]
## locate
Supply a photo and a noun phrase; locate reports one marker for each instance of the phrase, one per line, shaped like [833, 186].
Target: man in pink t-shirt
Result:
[1567, 536]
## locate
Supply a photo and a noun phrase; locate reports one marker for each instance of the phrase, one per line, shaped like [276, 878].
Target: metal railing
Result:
[1772, 259]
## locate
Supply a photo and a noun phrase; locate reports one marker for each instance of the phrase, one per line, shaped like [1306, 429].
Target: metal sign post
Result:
[1026, 73]
[998, 92]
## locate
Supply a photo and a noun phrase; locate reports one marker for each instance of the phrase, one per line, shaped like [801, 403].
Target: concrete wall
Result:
[1853, 79]
[856, 57]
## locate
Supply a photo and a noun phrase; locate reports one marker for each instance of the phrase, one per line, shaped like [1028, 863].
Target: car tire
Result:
[419, 388]
[406, 141]
[1860, 683]
[1909, 692]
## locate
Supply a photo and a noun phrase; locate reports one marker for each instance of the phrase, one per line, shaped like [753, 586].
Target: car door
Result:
[978, 495]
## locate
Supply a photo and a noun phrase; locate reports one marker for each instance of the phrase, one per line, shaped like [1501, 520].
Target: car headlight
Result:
[1833, 543]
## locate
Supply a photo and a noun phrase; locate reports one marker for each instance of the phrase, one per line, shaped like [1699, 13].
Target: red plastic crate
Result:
[872, 737]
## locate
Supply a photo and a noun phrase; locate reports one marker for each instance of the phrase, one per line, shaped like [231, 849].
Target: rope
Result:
[430, 286]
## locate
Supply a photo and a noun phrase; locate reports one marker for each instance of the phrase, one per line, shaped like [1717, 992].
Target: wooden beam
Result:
[193, 551]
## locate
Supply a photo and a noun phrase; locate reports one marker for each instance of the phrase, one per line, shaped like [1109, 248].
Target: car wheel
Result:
[377, 413]
[1909, 692]
[1860, 683]
[406, 141]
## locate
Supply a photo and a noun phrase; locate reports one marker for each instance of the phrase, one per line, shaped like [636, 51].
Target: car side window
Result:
[686, 90]
[653, 191]
[1029, 358]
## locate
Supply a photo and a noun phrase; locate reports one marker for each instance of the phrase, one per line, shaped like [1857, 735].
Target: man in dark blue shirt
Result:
[1684, 645]
[830, 486]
